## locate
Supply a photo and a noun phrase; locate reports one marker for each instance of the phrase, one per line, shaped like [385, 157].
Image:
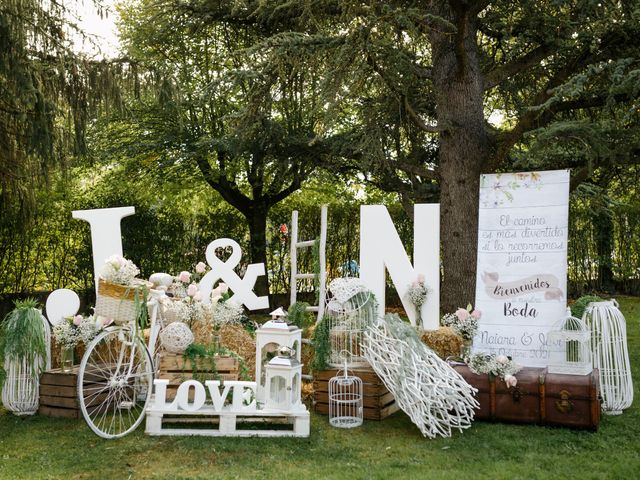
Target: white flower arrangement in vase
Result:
[464, 322]
[417, 294]
[72, 331]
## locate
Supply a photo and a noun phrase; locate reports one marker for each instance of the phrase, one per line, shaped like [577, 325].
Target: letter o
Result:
[182, 396]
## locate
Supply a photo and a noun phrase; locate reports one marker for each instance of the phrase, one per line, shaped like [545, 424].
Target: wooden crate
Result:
[177, 369]
[59, 394]
[378, 402]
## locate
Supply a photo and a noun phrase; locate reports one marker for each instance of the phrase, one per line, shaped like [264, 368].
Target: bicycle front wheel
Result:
[115, 383]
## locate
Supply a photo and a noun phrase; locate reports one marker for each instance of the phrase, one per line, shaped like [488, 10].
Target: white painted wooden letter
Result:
[380, 248]
[106, 236]
[199, 396]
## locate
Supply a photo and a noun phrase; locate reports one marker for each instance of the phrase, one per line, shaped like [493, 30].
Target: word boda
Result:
[519, 310]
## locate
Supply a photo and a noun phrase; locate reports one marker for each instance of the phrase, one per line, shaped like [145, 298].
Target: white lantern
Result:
[283, 387]
[569, 347]
[269, 337]
[610, 354]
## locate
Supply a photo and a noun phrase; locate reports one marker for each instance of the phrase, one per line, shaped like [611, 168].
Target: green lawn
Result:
[40, 447]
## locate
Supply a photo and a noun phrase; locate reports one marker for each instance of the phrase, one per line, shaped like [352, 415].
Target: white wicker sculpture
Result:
[176, 337]
[436, 397]
[350, 310]
[570, 347]
[610, 354]
[345, 400]
[21, 390]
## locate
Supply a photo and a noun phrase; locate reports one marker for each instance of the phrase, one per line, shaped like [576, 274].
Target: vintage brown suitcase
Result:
[540, 397]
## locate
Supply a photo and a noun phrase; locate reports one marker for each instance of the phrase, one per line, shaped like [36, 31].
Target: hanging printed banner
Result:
[521, 279]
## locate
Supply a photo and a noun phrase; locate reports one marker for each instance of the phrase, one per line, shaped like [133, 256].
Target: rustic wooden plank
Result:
[60, 402]
[368, 389]
[366, 375]
[175, 378]
[378, 401]
[58, 391]
[176, 362]
[56, 377]
[59, 412]
[368, 413]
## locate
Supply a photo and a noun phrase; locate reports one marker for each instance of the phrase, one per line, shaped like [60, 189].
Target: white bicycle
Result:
[116, 375]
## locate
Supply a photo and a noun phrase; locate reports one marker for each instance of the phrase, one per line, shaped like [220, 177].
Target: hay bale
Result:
[307, 392]
[306, 357]
[444, 341]
[237, 339]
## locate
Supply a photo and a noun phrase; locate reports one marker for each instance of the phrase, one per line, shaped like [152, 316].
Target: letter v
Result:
[214, 390]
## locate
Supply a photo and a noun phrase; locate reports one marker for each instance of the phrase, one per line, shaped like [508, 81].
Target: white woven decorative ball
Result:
[176, 337]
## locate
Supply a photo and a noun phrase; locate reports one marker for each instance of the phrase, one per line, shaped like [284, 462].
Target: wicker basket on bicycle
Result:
[118, 302]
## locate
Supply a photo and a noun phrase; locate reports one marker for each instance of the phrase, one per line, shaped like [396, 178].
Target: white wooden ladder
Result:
[295, 276]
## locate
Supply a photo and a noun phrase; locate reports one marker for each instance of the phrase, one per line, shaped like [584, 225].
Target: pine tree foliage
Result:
[412, 85]
[47, 94]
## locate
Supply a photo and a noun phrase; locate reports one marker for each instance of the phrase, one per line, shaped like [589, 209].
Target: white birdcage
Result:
[350, 310]
[345, 400]
[569, 347]
[610, 354]
[21, 389]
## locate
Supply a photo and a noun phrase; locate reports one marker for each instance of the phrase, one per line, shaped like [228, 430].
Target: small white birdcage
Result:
[350, 310]
[569, 347]
[610, 354]
[345, 399]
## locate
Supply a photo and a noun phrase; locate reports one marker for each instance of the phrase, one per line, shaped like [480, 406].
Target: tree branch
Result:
[521, 64]
[418, 121]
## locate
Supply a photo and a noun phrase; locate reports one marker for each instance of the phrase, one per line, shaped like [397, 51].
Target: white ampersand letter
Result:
[242, 288]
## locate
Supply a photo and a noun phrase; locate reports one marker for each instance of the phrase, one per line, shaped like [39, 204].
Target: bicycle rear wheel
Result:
[115, 383]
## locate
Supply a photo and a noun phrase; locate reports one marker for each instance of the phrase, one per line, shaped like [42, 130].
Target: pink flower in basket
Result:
[201, 267]
[77, 320]
[224, 288]
[476, 314]
[462, 314]
[184, 277]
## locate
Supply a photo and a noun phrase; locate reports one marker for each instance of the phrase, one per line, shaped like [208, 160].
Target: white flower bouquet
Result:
[464, 322]
[72, 331]
[119, 270]
[496, 365]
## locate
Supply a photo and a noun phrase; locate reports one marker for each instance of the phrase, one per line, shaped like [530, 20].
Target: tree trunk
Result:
[256, 216]
[459, 90]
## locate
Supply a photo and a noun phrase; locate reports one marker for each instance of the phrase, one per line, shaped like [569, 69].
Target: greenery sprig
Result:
[207, 356]
[578, 308]
[22, 335]
[321, 345]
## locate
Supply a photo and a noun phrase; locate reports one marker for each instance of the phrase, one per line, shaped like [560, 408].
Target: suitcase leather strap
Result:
[541, 395]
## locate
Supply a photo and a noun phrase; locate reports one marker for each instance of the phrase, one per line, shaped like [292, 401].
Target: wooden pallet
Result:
[177, 369]
[378, 402]
[211, 423]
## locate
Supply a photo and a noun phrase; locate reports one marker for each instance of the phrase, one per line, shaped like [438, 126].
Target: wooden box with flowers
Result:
[534, 396]
[198, 365]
